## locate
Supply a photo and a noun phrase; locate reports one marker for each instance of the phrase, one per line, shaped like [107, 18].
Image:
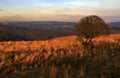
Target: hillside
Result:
[62, 42]
[36, 31]
[115, 26]
[60, 57]
[43, 30]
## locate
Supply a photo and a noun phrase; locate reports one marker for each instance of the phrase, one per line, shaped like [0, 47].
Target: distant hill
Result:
[115, 26]
[37, 24]
[37, 30]
[13, 33]
[42, 30]
[115, 23]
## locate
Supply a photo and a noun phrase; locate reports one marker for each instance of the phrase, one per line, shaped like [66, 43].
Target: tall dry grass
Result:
[59, 58]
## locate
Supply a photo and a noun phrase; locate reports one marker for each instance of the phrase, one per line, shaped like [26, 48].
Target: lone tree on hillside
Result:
[90, 27]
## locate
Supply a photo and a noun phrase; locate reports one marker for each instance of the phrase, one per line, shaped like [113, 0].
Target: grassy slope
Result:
[57, 42]
[34, 59]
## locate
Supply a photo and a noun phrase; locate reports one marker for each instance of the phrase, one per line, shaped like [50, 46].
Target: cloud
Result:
[111, 18]
[17, 18]
[13, 18]
[1, 10]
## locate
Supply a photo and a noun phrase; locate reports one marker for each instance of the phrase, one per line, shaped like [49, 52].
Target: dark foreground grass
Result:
[63, 63]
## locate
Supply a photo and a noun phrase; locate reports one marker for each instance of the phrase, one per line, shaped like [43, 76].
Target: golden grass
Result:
[50, 57]
[110, 38]
[63, 42]
[36, 45]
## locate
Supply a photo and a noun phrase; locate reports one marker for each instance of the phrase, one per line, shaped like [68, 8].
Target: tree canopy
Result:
[90, 27]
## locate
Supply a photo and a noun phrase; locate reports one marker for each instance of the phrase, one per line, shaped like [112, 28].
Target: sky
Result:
[58, 10]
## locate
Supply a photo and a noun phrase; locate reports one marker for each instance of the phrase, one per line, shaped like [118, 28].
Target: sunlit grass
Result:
[59, 58]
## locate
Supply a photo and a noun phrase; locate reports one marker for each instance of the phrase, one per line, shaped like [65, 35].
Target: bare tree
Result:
[90, 27]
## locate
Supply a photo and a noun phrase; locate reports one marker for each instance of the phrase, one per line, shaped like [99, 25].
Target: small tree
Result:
[90, 27]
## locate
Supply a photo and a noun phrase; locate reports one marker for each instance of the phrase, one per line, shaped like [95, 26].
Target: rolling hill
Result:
[36, 31]
[59, 57]
[42, 30]
[115, 26]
